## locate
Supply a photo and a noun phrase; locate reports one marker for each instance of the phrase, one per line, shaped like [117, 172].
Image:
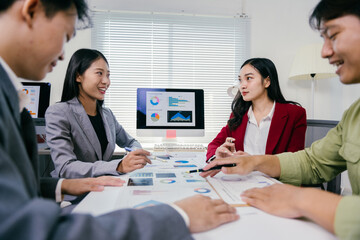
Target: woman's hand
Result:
[134, 160]
[227, 149]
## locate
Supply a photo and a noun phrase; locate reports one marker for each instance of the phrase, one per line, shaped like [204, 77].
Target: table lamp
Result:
[308, 65]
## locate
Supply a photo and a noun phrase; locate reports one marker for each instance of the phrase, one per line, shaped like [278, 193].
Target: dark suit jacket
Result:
[286, 133]
[24, 214]
[75, 147]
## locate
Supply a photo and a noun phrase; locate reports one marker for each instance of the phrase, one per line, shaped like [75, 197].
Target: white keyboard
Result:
[178, 147]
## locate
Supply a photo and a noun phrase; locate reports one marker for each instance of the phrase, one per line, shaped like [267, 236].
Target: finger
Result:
[140, 157]
[141, 161]
[148, 160]
[224, 208]
[214, 163]
[96, 188]
[230, 139]
[232, 170]
[255, 202]
[209, 173]
[218, 201]
[134, 159]
[226, 217]
[213, 173]
[229, 144]
[240, 153]
[138, 166]
[225, 149]
[141, 152]
[256, 193]
[110, 181]
[204, 174]
[107, 181]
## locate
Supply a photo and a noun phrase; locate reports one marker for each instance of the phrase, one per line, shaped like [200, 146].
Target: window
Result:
[150, 50]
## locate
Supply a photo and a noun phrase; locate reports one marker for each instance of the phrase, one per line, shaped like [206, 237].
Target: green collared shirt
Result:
[338, 151]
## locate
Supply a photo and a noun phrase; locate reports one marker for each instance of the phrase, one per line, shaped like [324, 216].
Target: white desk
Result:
[253, 223]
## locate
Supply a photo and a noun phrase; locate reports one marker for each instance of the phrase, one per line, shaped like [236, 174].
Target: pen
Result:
[230, 139]
[213, 168]
[154, 157]
[128, 149]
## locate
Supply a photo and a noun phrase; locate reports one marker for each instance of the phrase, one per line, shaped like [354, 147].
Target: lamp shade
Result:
[308, 61]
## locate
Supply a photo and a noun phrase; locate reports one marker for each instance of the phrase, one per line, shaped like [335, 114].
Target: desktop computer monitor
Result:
[39, 95]
[170, 112]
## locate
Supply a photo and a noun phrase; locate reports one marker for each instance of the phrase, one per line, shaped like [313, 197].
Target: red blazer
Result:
[286, 133]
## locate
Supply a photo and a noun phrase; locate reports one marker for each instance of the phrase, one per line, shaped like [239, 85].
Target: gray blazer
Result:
[75, 148]
[26, 215]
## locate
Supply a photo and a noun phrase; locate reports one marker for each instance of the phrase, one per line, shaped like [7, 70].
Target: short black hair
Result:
[330, 9]
[51, 7]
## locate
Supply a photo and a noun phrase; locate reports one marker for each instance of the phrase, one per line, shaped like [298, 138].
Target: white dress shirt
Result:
[256, 135]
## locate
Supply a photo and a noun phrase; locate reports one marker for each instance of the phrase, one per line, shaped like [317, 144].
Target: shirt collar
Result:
[251, 115]
[23, 98]
[13, 78]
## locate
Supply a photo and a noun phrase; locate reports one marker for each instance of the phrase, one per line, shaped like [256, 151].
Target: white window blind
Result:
[171, 51]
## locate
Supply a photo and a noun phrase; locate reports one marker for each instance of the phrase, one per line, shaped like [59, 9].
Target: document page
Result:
[230, 187]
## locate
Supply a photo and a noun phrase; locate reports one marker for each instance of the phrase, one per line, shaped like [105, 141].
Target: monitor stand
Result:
[169, 140]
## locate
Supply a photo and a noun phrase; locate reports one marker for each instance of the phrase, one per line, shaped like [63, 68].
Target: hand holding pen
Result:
[135, 159]
[218, 167]
[226, 149]
[151, 156]
[241, 164]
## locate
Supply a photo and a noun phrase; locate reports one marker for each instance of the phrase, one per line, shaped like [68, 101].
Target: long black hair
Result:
[80, 61]
[266, 68]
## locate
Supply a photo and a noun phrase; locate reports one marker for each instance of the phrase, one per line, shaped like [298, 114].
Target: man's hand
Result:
[83, 185]
[134, 160]
[291, 202]
[277, 199]
[244, 165]
[206, 213]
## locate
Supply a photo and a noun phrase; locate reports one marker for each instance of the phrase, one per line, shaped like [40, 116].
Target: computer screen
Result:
[39, 95]
[170, 112]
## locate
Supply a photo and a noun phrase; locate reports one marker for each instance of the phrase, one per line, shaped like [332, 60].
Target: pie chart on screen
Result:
[155, 117]
[154, 100]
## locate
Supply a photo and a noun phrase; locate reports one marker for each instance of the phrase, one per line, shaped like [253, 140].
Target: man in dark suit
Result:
[33, 33]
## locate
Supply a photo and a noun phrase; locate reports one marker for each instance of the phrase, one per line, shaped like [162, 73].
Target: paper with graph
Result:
[230, 187]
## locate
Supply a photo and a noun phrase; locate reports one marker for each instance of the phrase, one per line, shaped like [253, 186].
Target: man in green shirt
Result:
[339, 24]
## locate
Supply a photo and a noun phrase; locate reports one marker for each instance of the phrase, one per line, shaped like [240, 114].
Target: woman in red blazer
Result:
[259, 99]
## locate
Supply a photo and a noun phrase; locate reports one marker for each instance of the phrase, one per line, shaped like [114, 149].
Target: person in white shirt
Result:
[262, 121]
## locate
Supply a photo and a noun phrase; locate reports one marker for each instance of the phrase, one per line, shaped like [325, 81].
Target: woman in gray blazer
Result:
[80, 132]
